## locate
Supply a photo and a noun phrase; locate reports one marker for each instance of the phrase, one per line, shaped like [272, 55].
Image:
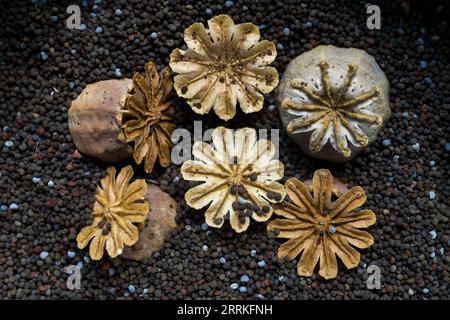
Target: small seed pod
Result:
[91, 120]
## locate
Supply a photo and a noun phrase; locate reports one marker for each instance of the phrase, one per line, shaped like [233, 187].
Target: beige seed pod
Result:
[91, 120]
[319, 227]
[333, 102]
[225, 64]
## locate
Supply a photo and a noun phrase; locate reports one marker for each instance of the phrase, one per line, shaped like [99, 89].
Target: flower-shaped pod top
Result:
[223, 65]
[119, 205]
[143, 118]
[321, 228]
[239, 175]
[334, 101]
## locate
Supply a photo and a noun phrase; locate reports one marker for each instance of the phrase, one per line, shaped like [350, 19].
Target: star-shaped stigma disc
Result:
[332, 107]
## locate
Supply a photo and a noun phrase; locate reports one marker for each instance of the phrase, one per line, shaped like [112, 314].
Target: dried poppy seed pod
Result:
[333, 102]
[156, 228]
[120, 207]
[240, 178]
[143, 119]
[91, 120]
[223, 65]
[322, 228]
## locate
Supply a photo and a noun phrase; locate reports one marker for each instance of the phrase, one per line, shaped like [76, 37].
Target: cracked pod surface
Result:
[333, 102]
[239, 178]
[224, 65]
[318, 228]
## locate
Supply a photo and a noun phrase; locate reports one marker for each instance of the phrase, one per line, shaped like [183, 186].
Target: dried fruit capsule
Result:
[91, 120]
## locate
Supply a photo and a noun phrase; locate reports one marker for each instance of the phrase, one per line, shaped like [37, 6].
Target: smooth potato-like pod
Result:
[91, 120]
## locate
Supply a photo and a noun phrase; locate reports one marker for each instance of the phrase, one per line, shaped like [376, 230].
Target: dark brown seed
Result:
[277, 197]
[265, 208]
[218, 220]
[233, 189]
[183, 89]
[105, 231]
[242, 220]
[270, 195]
[235, 205]
[253, 177]
[101, 223]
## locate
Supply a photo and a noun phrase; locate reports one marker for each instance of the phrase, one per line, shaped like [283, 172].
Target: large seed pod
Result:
[333, 102]
[91, 120]
[224, 65]
[322, 228]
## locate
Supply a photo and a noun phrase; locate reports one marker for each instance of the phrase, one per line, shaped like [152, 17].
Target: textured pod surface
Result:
[240, 178]
[333, 101]
[143, 119]
[120, 207]
[91, 120]
[160, 222]
[223, 65]
[320, 228]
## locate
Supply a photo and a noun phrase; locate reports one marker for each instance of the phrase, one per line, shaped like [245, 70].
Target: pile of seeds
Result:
[47, 187]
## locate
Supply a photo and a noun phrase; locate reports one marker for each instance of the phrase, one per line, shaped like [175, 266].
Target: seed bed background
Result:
[44, 65]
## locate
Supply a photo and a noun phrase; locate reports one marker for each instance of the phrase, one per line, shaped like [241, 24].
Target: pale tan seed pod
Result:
[333, 102]
[224, 64]
[240, 178]
[91, 120]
